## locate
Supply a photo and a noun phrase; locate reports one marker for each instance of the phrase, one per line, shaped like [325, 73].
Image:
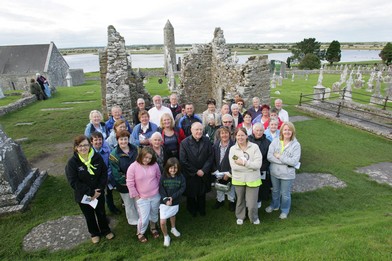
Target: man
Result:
[188, 119]
[282, 113]
[174, 106]
[225, 109]
[141, 106]
[116, 113]
[196, 162]
[255, 110]
[102, 148]
[157, 111]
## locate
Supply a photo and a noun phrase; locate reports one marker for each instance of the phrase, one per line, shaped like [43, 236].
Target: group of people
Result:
[171, 151]
[39, 87]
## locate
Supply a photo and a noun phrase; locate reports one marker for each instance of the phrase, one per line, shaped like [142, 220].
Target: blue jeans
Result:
[281, 194]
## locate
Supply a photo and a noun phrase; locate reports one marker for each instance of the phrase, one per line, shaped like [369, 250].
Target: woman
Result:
[156, 145]
[143, 183]
[221, 164]
[284, 154]
[118, 126]
[245, 161]
[96, 124]
[247, 124]
[241, 105]
[87, 174]
[264, 116]
[171, 136]
[211, 110]
[143, 131]
[258, 137]
[120, 159]
[237, 116]
[272, 131]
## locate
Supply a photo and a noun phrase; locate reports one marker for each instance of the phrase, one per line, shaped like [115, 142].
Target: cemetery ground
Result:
[351, 223]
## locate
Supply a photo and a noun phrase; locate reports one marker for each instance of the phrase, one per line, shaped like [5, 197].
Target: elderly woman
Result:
[96, 124]
[211, 111]
[121, 157]
[264, 116]
[247, 124]
[143, 183]
[143, 131]
[237, 116]
[258, 137]
[156, 142]
[272, 131]
[245, 161]
[87, 174]
[171, 135]
[284, 154]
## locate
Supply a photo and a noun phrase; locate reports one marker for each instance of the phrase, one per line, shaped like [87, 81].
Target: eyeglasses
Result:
[141, 103]
[240, 103]
[227, 122]
[83, 146]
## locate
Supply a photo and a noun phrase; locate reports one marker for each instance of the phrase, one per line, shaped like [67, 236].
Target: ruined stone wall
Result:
[196, 76]
[117, 89]
[57, 68]
[209, 71]
[120, 84]
[77, 76]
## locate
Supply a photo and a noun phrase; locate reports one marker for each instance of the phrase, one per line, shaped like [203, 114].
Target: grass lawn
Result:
[354, 223]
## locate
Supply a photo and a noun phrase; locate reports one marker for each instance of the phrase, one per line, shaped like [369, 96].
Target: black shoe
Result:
[232, 206]
[218, 204]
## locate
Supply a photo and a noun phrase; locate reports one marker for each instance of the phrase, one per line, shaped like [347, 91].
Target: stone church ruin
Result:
[207, 71]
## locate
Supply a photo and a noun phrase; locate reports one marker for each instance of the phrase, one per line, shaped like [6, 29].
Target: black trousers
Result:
[109, 200]
[265, 188]
[196, 204]
[96, 220]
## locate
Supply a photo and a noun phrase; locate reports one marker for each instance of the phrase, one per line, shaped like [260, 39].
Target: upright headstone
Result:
[377, 97]
[18, 181]
[283, 69]
[170, 45]
[348, 93]
[1, 93]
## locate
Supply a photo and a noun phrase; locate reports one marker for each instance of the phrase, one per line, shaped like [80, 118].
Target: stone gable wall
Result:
[209, 71]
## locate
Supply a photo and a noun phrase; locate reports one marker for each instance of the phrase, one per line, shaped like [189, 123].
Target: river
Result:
[90, 62]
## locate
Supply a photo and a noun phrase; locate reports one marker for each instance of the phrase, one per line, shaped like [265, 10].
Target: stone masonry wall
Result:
[196, 76]
[120, 84]
[209, 71]
[57, 68]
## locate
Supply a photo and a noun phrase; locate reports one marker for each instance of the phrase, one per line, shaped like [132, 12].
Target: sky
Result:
[84, 23]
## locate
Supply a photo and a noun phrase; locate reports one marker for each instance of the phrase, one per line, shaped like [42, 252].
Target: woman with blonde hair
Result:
[284, 154]
[96, 124]
[171, 136]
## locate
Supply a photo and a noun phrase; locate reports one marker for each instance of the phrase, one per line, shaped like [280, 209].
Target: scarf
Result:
[88, 162]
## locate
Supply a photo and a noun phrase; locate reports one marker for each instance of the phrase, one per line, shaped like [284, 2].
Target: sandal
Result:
[155, 233]
[142, 238]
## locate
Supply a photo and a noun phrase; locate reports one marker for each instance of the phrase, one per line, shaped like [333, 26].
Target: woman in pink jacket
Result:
[143, 177]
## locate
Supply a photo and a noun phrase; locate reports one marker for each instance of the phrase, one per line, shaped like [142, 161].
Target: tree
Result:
[386, 54]
[307, 46]
[310, 61]
[333, 52]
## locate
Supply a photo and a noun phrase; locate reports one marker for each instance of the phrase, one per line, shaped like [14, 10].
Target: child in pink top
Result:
[143, 184]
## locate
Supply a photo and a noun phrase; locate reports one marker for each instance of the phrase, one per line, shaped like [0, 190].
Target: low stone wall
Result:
[17, 105]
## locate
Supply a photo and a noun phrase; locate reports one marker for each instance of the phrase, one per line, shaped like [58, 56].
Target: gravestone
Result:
[18, 181]
[1, 93]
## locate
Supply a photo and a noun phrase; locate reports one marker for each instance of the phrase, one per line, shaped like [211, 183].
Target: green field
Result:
[354, 223]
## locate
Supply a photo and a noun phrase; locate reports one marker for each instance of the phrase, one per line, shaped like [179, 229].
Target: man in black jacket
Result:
[196, 162]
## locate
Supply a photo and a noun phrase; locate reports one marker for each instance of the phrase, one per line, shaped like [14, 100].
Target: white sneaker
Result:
[175, 232]
[269, 209]
[283, 216]
[240, 221]
[259, 204]
[256, 222]
[166, 241]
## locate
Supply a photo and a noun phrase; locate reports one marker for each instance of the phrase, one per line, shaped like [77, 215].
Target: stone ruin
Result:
[170, 65]
[18, 181]
[209, 71]
[120, 84]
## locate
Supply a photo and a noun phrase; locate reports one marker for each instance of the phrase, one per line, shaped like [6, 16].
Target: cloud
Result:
[76, 23]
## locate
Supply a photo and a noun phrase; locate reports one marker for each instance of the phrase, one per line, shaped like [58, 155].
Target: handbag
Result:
[223, 187]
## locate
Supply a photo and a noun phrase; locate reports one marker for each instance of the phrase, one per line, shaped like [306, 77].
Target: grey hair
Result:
[258, 124]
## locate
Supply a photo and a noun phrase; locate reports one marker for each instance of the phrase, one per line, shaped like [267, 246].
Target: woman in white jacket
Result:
[284, 154]
[245, 161]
